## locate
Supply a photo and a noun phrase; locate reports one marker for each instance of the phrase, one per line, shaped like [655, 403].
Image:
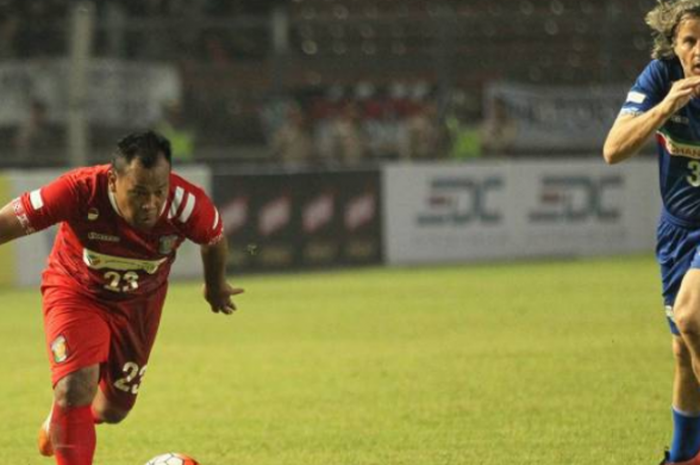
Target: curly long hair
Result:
[664, 20]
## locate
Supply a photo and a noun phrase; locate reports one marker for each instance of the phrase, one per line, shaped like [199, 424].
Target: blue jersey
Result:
[678, 140]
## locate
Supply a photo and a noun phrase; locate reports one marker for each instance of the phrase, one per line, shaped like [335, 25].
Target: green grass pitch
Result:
[531, 363]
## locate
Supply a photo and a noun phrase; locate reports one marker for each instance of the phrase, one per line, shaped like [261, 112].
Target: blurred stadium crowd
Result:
[336, 82]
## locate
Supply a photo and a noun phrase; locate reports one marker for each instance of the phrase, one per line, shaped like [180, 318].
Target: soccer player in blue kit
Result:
[665, 102]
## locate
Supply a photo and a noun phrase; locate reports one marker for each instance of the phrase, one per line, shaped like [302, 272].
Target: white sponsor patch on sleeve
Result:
[36, 199]
[636, 97]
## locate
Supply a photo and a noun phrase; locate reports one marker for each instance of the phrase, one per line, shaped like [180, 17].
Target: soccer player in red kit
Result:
[107, 277]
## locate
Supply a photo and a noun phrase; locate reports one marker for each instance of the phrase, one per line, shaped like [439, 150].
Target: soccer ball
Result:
[172, 459]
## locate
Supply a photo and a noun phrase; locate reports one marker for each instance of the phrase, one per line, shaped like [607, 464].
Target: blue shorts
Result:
[677, 251]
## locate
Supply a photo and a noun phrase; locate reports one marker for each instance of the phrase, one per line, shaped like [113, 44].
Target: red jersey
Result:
[96, 252]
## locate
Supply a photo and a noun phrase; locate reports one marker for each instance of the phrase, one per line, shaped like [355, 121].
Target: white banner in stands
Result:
[121, 93]
[32, 251]
[560, 118]
[485, 211]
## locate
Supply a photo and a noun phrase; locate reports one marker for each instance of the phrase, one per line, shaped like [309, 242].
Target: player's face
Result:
[140, 192]
[687, 45]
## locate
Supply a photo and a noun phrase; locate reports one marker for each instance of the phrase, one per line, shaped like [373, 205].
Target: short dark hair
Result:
[146, 146]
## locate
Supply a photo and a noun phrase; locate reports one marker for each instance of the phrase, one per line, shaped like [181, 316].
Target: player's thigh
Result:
[76, 332]
[676, 253]
[130, 348]
[687, 306]
[676, 248]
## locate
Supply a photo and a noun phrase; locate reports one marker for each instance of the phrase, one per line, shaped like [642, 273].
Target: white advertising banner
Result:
[457, 213]
[120, 93]
[32, 251]
[549, 118]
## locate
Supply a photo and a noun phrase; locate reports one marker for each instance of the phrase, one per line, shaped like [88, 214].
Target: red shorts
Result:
[81, 331]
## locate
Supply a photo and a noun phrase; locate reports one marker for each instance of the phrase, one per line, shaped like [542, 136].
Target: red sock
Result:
[73, 435]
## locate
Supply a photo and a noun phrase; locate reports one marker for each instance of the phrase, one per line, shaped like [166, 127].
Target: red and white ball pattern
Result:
[172, 458]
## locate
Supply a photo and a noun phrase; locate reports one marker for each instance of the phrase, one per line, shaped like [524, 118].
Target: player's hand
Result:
[681, 92]
[219, 297]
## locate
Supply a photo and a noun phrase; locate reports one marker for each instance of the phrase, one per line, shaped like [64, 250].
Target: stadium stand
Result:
[234, 66]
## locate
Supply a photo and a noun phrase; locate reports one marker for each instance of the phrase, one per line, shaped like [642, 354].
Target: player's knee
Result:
[77, 389]
[686, 313]
[110, 415]
[687, 319]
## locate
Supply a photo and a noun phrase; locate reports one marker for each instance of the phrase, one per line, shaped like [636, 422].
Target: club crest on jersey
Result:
[167, 244]
[59, 349]
[93, 214]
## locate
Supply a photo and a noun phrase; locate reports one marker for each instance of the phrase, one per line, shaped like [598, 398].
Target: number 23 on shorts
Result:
[131, 382]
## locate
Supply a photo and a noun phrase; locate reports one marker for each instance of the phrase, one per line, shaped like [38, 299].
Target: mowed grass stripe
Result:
[527, 363]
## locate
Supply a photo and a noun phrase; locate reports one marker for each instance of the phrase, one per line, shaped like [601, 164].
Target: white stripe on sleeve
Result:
[177, 200]
[216, 219]
[189, 207]
[36, 199]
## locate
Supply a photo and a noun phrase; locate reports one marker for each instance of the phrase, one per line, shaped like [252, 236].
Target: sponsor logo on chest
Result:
[679, 149]
[95, 236]
[680, 119]
[101, 261]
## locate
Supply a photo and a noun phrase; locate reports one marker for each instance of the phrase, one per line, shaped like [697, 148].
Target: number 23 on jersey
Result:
[121, 282]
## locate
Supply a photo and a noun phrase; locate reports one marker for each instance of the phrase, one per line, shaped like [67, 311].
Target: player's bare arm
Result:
[10, 227]
[630, 132]
[217, 291]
